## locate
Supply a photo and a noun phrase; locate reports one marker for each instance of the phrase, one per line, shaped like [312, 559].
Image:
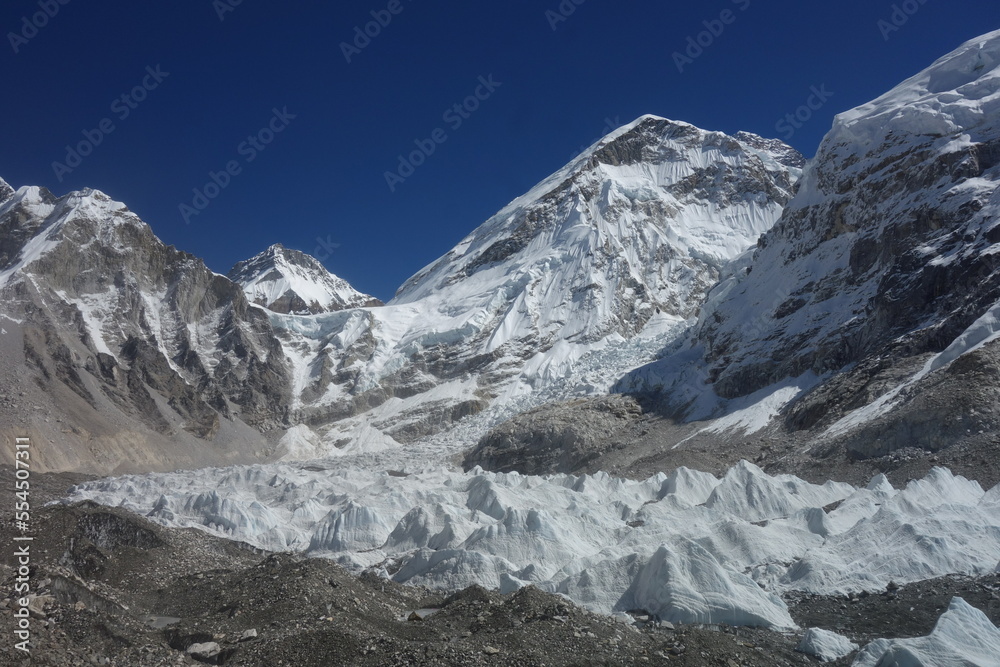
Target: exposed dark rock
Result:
[562, 437]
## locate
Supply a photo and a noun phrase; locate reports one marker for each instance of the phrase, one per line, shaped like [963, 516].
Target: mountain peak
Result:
[886, 253]
[290, 281]
[640, 224]
[283, 254]
[6, 192]
[775, 148]
[645, 138]
[35, 221]
[957, 93]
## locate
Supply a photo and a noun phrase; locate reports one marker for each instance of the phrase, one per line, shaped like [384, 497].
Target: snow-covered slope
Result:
[645, 219]
[887, 252]
[687, 547]
[289, 281]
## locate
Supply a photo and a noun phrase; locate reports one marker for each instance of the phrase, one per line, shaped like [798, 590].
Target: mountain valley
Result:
[692, 399]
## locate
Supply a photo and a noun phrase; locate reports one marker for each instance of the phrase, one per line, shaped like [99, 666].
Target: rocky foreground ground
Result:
[116, 589]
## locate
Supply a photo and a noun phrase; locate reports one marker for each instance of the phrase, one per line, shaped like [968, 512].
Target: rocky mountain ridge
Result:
[131, 344]
[876, 291]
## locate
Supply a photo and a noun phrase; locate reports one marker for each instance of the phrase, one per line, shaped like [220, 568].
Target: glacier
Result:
[687, 547]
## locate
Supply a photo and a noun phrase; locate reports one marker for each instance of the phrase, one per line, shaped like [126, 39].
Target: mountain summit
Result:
[5, 191]
[621, 244]
[290, 281]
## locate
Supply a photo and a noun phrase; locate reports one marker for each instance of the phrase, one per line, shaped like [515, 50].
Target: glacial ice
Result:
[687, 547]
[963, 636]
[825, 645]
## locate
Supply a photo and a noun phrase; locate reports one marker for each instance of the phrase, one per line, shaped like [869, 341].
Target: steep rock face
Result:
[775, 148]
[288, 281]
[6, 192]
[112, 313]
[888, 252]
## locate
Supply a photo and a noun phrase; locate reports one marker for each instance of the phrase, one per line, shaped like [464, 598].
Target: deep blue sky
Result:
[323, 176]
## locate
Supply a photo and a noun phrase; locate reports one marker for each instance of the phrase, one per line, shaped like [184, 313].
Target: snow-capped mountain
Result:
[644, 220]
[866, 316]
[574, 283]
[881, 273]
[143, 351]
[623, 242]
[290, 281]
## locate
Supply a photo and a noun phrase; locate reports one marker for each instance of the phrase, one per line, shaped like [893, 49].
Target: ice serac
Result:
[144, 350]
[963, 636]
[622, 243]
[684, 583]
[825, 645]
[290, 281]
[887, 253]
